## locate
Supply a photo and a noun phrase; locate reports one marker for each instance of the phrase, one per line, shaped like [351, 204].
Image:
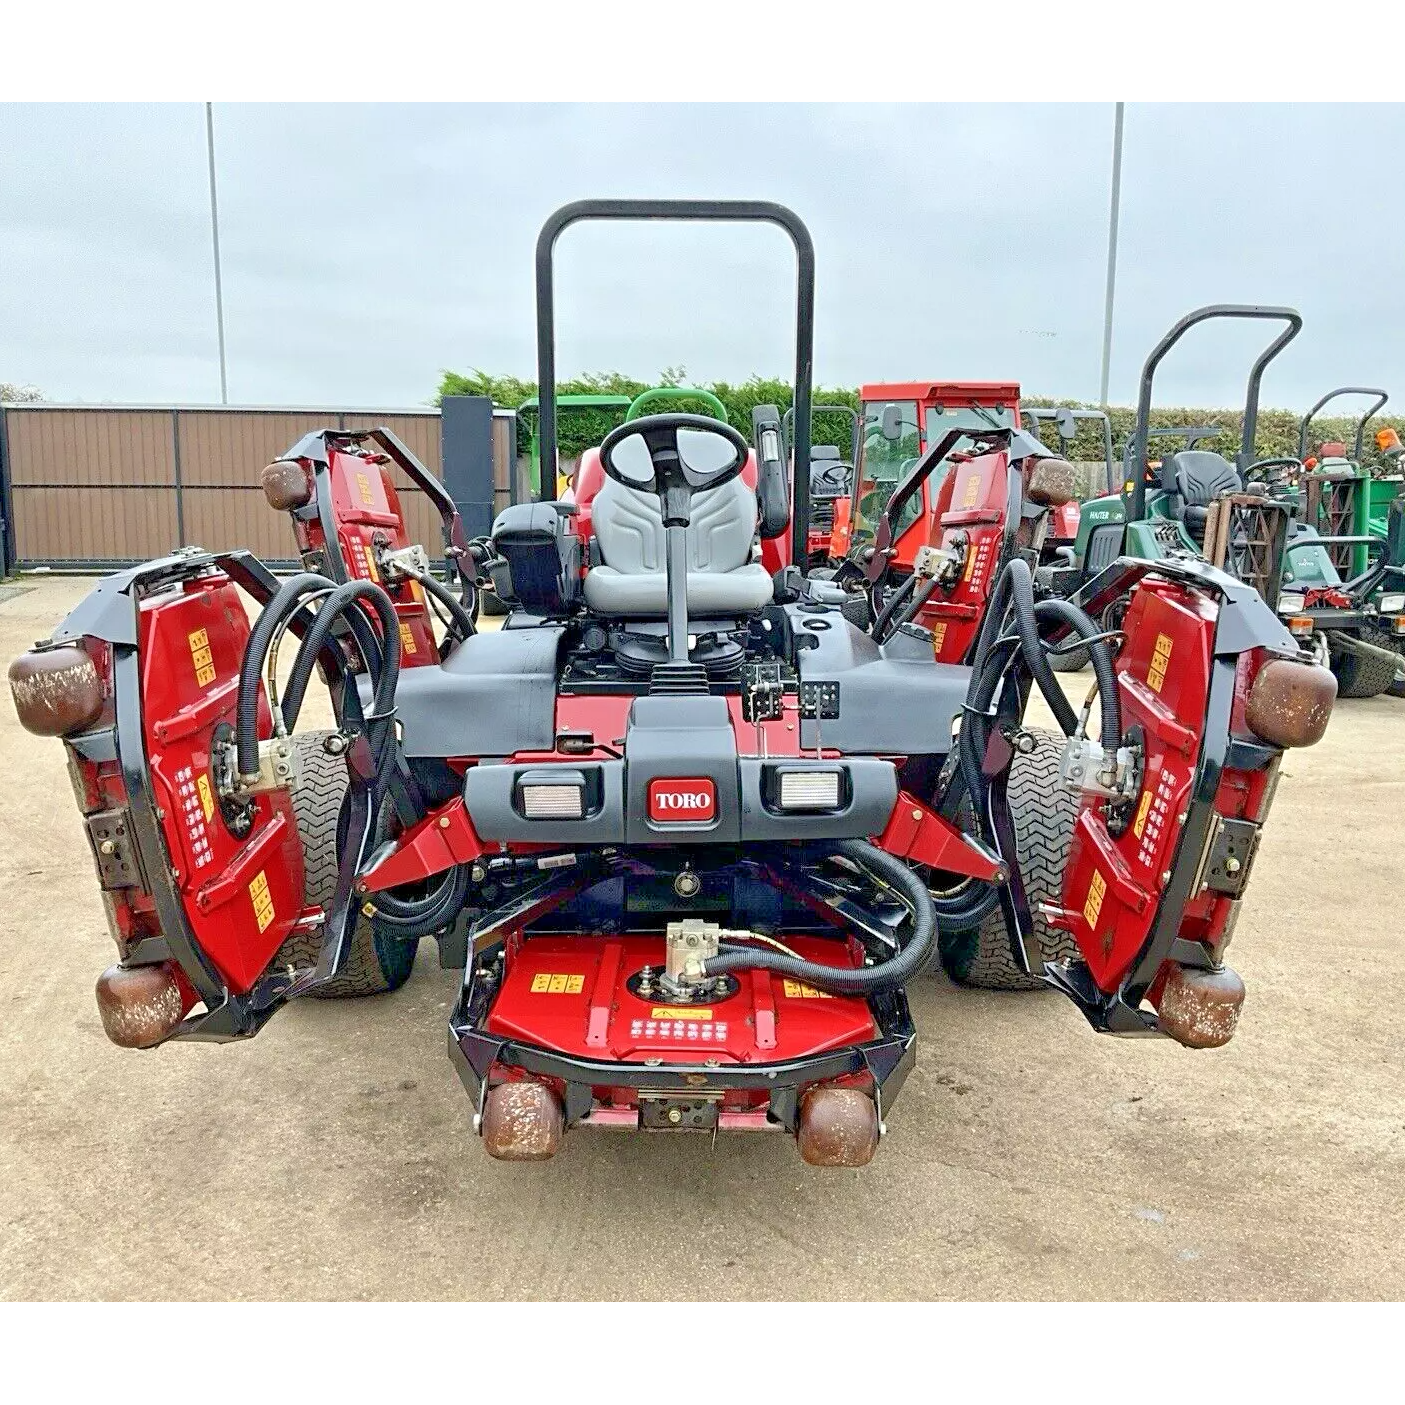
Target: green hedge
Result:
[1277, 432]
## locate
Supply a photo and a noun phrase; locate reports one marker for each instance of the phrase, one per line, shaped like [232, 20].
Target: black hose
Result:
[1026, 625]
[286, 601]
[840, 980]
[462, 616]
[419, 917]
[969, 910]
[1109, 701]
[893, 602]
[339, 602]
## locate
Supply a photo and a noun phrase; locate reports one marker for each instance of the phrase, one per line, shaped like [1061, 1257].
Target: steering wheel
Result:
[674, 456]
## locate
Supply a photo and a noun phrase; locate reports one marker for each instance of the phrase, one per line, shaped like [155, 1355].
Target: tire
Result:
[492, 604]
[376, 963]
[1075, 661]
[1359, 677]
[1397, 688]
[1044, 811]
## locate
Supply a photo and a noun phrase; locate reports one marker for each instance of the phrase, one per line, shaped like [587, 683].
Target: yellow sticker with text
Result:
[795, 991]
[679, 1012]
[1142, 813]
[548, 983]
[201, 656]
[938, 636]
[207, 797]
[972, 490]
[407, 639]
[1097, 889]
[262, 900]
[1160, 657]
[364, 484]
[371, 571]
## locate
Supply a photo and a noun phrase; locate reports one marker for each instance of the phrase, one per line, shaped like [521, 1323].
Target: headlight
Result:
[1290, 603]
[1391, 604]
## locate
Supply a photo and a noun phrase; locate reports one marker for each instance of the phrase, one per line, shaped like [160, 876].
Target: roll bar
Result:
[763, 211]
[855, 424]
[1137, 457]
[1370, 414]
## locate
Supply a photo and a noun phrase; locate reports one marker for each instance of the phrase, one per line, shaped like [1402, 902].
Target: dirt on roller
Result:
[331, 1157]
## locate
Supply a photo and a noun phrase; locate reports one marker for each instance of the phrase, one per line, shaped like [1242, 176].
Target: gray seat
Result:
[722, 577]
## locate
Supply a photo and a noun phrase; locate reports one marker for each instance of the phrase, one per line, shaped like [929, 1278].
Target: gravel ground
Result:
[1027, 1157]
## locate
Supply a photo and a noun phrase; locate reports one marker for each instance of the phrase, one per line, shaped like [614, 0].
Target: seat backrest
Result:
[629, 529]
[1200, 476]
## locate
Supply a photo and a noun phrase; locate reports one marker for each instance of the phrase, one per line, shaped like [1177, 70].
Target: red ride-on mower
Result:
[687, 831]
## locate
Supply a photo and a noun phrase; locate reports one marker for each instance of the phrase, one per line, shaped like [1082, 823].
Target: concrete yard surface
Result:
[1027, 1157]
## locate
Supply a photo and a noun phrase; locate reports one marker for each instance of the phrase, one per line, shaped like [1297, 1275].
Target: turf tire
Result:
[1359, 677]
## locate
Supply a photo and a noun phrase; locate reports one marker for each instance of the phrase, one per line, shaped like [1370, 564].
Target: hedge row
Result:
[1277, 432]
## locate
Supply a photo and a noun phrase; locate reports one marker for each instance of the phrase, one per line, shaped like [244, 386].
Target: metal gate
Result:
[97, 487]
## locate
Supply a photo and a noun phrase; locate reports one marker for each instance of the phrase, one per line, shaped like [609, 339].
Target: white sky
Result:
[366, 248]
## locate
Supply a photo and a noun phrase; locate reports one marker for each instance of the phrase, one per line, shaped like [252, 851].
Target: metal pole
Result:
[1112, 249]
[215, 233]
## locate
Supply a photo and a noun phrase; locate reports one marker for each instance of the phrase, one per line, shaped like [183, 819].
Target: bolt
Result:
[443, 821]
[674, 1115]
[1166, 876]
[107, 847]
[1232, 865]
[368, 909]
[917, 814]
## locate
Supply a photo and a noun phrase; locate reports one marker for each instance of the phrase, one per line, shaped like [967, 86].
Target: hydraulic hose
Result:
[894, 603]
[838, 980]
[285, 602]
[419, 917]
[968, 910]
[462, 616]
[1027, 627]
[340, 602]
[1109, 701]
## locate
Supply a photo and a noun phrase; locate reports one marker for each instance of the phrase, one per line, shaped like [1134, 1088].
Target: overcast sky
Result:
[367, 248]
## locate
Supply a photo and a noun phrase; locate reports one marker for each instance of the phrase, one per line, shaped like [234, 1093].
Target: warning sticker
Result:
[1160, 657]
[364, 485]
[971, 489]
[1141, 814]
[262, 900]
[371, 571]
[938, 636]
[207, 797]
[407, 639]
[679, 1012]
[547, 983]
[201, 657]
[795, 991]
[1093, 907]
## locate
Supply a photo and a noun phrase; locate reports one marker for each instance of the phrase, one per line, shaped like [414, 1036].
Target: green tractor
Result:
[1264, 520]
[1343, 589]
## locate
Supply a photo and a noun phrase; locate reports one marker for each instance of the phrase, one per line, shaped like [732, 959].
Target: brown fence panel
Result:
[103, 486]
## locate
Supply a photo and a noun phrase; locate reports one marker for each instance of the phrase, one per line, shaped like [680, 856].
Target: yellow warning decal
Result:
[680, 1012]
[207, 798]
[371, 571]
[201, 656]
[1097, 889]
[971, 491]
[262, 899]
[1142, 810]
[407, 639]
[364, 484]
[545, 983]
[795, 991]
[1160, 657]
[938, 636]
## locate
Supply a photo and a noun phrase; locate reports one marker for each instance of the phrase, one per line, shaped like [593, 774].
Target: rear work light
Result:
[809, 790]
[1299, 624]
[552, 795]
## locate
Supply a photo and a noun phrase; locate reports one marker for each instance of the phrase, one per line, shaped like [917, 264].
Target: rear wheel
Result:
[1072, 662]
[1397, 687]
[376, 963]
[1043, 811]
[1362, 677]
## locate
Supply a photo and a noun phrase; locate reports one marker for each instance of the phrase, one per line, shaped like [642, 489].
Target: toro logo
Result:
[682, 800]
